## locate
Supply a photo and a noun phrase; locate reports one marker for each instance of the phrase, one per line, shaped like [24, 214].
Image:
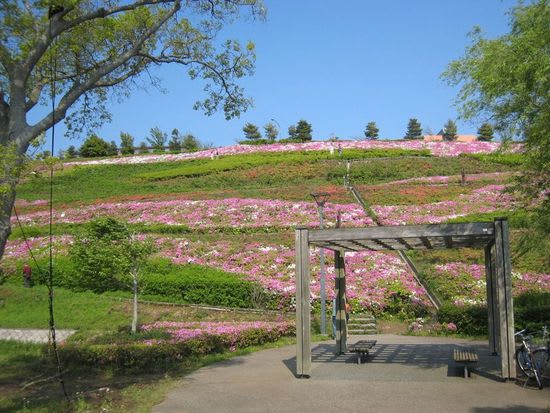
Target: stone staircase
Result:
[360, 324]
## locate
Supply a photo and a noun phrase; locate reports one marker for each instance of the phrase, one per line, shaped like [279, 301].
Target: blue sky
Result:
[338, 65]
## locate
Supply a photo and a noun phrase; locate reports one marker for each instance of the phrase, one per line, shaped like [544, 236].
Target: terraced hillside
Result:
[233, 210]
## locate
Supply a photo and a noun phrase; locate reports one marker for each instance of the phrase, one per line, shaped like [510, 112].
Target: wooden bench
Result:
[465, 357]
[362, 348]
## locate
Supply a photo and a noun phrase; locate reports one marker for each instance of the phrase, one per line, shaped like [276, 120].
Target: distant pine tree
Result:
[303, 130]
[71, 152]
[251, 132]
[175, 141]
[449, 131]
[292, 132]
[126, 143]
[414, 129]
[113, 149]
[485, 132]
[371, 131]
[271, 131]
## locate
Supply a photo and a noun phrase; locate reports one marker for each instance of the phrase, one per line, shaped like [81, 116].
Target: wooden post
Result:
[340, 291]
[303, 310]
[505, 306]
[491, 299]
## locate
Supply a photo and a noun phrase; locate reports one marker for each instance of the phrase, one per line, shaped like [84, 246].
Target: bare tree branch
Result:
[58, 26]
[171, 59]
[78, 89]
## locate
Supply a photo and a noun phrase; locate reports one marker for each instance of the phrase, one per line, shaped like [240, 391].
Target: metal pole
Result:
[323, 289]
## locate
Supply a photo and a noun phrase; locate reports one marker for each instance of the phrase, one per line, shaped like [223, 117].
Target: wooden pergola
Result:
[492, 236]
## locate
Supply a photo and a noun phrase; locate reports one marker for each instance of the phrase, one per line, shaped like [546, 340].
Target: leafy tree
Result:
[371, 131]
[113, 149]
[108, 256]
[485, 132]
[175, 141]
[292, 134]
[71, 152]
[126, 143]
[414, 129]
[251, 132]
[190, 143]
[157, 138]
[271, 132]
[449, 131]
[303, 131]
[94, 146]
[506, 79]
[101, 48]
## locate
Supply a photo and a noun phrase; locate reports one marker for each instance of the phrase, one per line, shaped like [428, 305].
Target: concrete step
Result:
[361, 325]
[362, 317]
[362, 332]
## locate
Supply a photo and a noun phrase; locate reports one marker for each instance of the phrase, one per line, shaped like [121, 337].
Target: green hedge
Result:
[139, 356]
[531, 311]
[193, 284]
[199, 285]
[125, 353]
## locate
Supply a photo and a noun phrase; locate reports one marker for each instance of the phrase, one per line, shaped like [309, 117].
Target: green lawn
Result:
[253, 175]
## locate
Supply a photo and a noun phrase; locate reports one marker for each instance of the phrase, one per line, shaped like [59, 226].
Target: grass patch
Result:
[88, 312]
[283, 171]
[92, 389]
[227, 163]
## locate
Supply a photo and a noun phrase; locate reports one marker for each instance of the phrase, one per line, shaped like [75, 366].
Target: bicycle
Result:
[532, 361]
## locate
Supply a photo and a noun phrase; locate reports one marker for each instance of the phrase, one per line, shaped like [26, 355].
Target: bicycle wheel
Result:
[540, 359]
[524, 361]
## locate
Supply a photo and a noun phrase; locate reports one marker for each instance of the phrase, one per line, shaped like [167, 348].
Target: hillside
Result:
[235, 213]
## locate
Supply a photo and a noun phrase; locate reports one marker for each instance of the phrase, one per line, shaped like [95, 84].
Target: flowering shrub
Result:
[209, 214]
[215, 215]
[486, 199]
[174, 342]
[437, 149]
[373, 278]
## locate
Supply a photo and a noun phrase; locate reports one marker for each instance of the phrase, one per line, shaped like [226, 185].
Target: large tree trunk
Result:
[8, 200]
[11, 162]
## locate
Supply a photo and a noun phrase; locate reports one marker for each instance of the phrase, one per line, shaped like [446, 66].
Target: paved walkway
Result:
[403, 374]
[33, 336]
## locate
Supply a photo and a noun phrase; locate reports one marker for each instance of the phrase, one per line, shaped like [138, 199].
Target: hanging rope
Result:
[54, 9]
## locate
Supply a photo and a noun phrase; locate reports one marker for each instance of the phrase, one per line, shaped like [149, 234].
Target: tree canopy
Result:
[507, 80]
[98, 50]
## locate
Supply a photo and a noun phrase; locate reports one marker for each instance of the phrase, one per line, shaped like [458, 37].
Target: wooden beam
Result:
[363, 246]
[426, 242]
[408, 231]
[340, 291]
[448, 242]
[404, 243]
[383, 244]
[504, 293]
[491, 300]
[303, 310]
